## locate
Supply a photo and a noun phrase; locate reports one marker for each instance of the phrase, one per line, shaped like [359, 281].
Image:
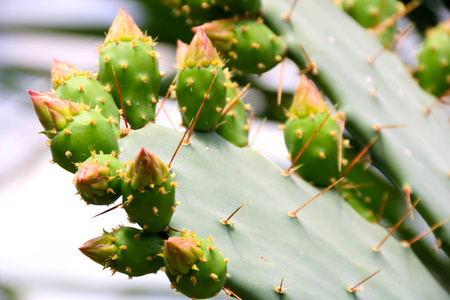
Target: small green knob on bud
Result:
[147, 170]
[123, 28]
[100, 249]
[181, 254]
[307, 99]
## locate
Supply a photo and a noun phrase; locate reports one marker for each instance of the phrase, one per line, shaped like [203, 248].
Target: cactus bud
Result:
[181, 254]
[201, 52]
[220, 32]
[182, 49]
[62, 71]
[123, 28]
[146, 170]
[100, 249]
[307, 99]
[91, 179]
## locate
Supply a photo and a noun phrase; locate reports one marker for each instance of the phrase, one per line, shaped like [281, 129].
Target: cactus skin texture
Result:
[99, 179]
[126, 250]
[128, 56]
[198, 11]
[370, 13]
[79, 86]
[434, 60]
[248, 45]
[200, 71]
[149, 192]
[194, 266]
[319, 162]
[74, 132]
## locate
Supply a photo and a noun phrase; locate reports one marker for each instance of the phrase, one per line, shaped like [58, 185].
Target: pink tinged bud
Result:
[62, 71]
[307, 99]
[37, 98]
[147, 169]
[123, 28]
[92, 179]
[220, 32]
[201, 51]
[181, 254]
[100, 249]
[182, 49]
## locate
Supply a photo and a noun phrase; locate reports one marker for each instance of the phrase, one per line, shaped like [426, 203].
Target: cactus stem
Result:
[353, 289]
[382, 206]
[376, 248]
[108, 210]
[407, 191]
[201, 107]
[378, 128]
[167, 95]
[179, 144]
[293, 213]
[227, 221]
[421, 235]
[120, 98]
[358, 156]
[289, 170]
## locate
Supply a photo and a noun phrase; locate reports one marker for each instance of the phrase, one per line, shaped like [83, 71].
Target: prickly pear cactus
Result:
[128, 67]
[267, 238]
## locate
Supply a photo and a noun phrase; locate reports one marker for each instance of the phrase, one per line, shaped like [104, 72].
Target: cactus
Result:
[434, 59]
[98, 179]
[126, 250]
[194, 266]
[73, 84]
[275, 247]
[129, 69]
[74, 132]
[248, 45]
[149, 192]
[200, 83]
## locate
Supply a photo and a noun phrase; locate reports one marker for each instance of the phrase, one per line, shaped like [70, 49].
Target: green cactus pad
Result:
[87, 90]
[207, 279]
[434, 60]
[319, 253]
[135, 65]
[100, 189]
[126, 250]
[370, 13]
[89, 131]
[151, 208]
[319, 162]
[191, 87]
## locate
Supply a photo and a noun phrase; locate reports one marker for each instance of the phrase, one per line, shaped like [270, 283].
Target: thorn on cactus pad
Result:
[355, 288]
[421, 235]
[227, 221]
[376, 248]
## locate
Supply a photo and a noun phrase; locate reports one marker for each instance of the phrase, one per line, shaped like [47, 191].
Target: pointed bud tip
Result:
[123, 28]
